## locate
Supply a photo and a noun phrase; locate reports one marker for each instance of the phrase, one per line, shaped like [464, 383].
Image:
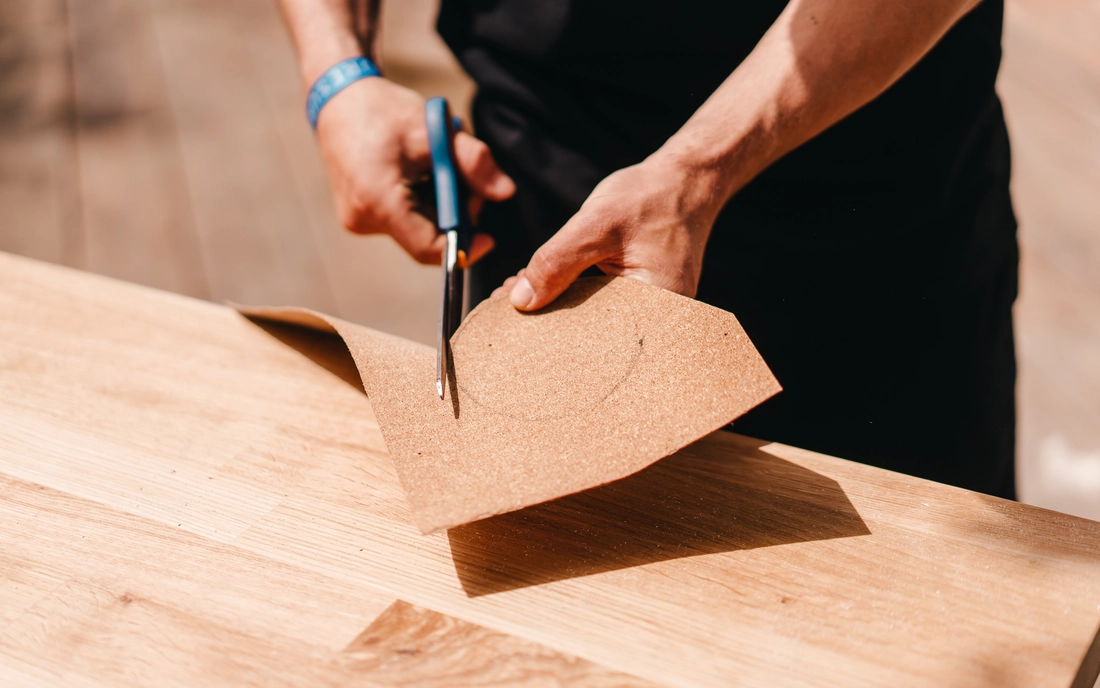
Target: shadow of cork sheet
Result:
[720, 494]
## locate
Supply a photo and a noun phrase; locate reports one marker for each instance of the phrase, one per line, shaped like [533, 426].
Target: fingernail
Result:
[522, 294]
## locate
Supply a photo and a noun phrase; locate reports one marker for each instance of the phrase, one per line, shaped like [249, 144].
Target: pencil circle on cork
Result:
[550, 364]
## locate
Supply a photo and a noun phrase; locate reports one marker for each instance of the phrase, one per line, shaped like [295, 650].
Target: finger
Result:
[479, 246]
[475, 206]
[480, 170]
[357, 204]
[559, 262]
[505, 288]
[416, 146]
[418, 237]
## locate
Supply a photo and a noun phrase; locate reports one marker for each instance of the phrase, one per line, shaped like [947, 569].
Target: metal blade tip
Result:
[439, 388]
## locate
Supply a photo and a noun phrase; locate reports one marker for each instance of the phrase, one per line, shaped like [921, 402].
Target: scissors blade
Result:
[450, 293]
[452, 218]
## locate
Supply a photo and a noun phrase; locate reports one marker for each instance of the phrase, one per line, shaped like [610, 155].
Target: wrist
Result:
[698, 185]
[723, 154]
[320, 58]
[334, 80]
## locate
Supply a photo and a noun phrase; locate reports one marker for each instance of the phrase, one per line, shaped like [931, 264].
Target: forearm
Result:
[819, 62]
[327, 31]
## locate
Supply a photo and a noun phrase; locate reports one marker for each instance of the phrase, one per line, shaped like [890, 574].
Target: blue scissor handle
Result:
[450, 191]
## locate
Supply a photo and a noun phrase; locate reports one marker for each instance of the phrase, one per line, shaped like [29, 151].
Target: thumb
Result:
[556, 265]
[480, 170]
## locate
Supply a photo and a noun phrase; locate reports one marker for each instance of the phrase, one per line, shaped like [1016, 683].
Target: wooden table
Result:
[190, 498]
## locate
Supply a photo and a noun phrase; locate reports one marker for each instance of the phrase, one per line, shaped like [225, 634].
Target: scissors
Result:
[453, 220]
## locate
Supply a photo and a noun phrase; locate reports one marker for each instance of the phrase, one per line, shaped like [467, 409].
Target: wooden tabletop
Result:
[191, 498]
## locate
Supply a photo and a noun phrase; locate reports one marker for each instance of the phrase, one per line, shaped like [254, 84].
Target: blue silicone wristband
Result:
[338, 77]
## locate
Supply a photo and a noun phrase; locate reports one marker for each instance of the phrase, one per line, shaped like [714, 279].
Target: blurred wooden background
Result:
[164, 142]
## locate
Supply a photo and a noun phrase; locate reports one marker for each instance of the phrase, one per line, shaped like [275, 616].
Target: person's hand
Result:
[375, 147]
[649, 221]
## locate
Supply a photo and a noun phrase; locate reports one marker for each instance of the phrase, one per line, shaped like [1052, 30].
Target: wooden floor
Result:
[164, 142]
[1050, 84]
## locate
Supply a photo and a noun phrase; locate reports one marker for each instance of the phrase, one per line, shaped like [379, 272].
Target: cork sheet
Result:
[610, 378]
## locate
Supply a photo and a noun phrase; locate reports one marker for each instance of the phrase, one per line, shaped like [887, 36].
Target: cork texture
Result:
[610, 378]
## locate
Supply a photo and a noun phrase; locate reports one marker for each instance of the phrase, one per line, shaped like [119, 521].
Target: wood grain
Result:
[411, 646]
[73, 567]
[188, 499]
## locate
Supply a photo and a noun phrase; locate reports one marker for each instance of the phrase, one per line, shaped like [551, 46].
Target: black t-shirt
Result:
[608, 81]
[874, 266]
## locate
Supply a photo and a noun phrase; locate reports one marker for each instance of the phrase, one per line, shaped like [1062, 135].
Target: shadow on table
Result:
[326, 349]
[721, 494]
[1088, 674]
